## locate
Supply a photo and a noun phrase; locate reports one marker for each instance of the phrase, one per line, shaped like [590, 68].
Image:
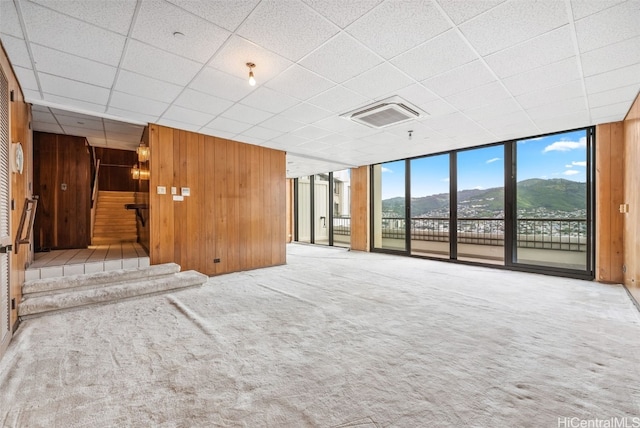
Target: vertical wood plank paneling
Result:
[360, 208]
[631, 196]
[236, 211]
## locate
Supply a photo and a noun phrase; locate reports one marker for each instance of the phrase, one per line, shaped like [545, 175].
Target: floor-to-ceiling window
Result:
[552, 216]
[341, 208]
[526, 204]
[389, 206]
[430, 206]
[322, 206]
[480, 204]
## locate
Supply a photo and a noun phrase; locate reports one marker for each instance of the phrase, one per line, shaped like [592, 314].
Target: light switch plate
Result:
[174, 191]
[186, 191]
[162, 190]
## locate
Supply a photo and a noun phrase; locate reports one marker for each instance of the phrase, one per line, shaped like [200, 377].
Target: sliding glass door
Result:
[389, 206]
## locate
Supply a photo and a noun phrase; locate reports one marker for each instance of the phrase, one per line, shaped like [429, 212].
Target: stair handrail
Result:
[30, 206]
[94, 196]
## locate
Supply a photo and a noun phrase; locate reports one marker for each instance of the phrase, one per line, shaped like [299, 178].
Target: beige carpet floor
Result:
[335, 339]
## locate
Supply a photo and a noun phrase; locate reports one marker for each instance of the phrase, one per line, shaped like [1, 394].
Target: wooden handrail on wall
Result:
[30, 206]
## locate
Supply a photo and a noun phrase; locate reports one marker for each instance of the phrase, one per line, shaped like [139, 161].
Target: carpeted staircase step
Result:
[66, 283]
[38, 305]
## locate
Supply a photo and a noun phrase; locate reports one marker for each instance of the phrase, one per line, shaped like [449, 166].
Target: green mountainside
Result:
[553, 195]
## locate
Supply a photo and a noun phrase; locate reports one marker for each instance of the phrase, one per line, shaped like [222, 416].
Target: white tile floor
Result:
[96, 258]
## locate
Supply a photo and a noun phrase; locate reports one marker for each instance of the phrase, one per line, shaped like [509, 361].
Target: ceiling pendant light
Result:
[252, 80]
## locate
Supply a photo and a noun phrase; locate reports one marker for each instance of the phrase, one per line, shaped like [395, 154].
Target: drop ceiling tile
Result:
[185, 115]
[609, 26]
[395, 27]
[311, 132]
[560, 108]
[543, 77]
[235, 54]
[82, 132]
[298, 29]
[269, 100]
[54, 128]
[353, 57]
[335, 140]
[147, 87]
[129, 115]
[9, 21]
[114, 15]
[261, 133]
[97, 142]
[461, 11]
[341, 12]
[43, 117]
[575, 119]
[299, 83]
[220, 84]
[246, 114]
[72, 67]
[282, 124]
[416, 94]
[226, 14]
[582, 8]
[289, 140]
[134, 103]
[625, 94]
[460, 79]
[380, 80]
[438, 108]
[501, 108]
[202, 102]
[339, 100]
[546, 49]
[158, 20]
[513, 22]
[306, 113]
[26, 77]
[217, 133]
[618, 55]
[72, 89]
[228, 125]
[613, 79]
[499, 121]
[551, 95]
[153, 62]
[122, 127]
[17, 50]
[71, 35]
[427, 60]
[80, 121]
[338, 124]
[249, 140]
[73, 104]
[178, 125]
[478, 97]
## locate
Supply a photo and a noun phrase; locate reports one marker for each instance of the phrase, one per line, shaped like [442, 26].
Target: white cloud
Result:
[568, 166]
[383, 169]
[446, 180]
[493, 160]
[565, 146]
[579, 163]
[571, 172]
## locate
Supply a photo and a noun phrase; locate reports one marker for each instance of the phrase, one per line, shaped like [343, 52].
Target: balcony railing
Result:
[543, 233]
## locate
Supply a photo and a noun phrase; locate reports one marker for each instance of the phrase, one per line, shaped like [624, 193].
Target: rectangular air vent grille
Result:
[388, 112]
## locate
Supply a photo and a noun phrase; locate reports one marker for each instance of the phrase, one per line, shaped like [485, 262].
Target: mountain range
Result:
[553, 195]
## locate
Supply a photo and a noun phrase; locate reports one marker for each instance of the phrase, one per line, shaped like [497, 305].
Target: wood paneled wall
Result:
[115, 169]
[609, 197]
[64, 215]
[20, 186]
[290, 220]
[632, 198]
[236, 209]
[360, 208]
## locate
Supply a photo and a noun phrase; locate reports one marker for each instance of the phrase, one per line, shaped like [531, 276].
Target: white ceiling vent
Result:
[383, 113]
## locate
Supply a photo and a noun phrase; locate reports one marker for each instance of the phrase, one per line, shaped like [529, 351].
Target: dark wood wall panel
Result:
[115, 169]
[236, 209]
[609, 196]
[63, 217]
[360, 208]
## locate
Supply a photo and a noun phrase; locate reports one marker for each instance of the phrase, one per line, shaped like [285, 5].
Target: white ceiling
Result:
[484, 70]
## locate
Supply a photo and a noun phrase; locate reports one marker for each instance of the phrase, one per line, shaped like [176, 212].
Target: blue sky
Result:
[555, 156]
